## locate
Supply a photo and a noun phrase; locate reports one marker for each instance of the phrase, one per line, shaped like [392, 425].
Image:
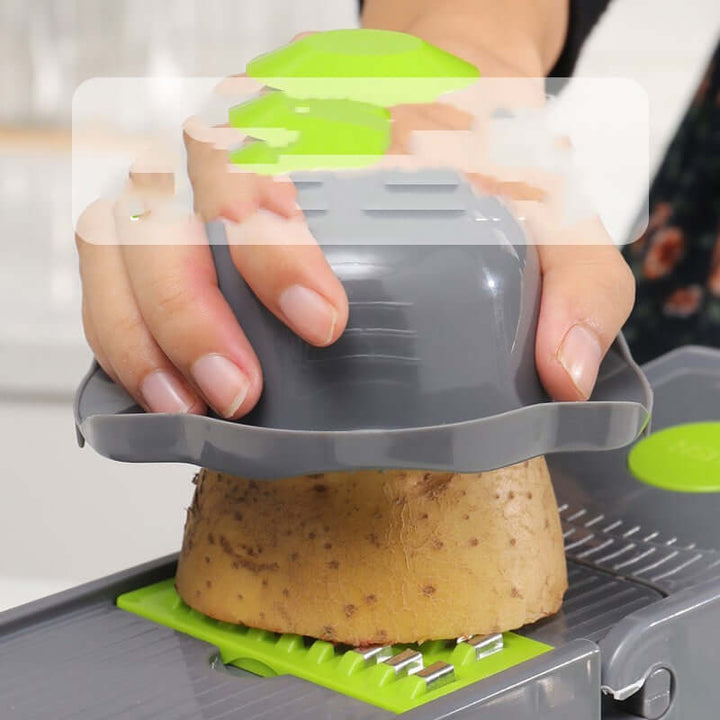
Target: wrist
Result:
[494, 52]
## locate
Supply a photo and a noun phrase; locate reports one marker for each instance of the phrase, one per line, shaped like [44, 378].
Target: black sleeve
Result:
[583, 16]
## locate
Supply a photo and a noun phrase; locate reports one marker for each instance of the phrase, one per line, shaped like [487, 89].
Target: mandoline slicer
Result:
[637, 636]
[435, 371]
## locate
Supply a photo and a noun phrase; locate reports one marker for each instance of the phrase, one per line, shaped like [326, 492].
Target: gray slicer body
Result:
[435, 371]
[638, 635]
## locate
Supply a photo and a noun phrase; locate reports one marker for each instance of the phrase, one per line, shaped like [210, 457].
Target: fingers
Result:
[415, 118]
[158, 324]
[176, 291]
[155, 317]
[290, 275]
[221, 191]
[278, 194]
[152, 311]
[115, 328]
[588, 293]
[302, 35]
[94, 343]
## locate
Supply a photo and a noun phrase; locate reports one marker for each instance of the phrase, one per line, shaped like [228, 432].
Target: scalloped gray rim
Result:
[268, 453]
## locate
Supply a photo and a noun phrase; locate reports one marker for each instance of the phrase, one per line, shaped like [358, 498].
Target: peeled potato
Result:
[376, 556]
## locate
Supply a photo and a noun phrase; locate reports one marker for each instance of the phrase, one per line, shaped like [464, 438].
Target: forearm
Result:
[501, 37]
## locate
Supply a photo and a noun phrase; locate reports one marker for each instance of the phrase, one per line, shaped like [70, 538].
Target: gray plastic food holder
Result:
[638, 634]
[435, 370]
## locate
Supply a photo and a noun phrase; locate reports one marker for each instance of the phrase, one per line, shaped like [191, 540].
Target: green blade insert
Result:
[341, 669]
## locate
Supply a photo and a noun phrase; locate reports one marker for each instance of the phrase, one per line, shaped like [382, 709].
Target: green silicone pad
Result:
[683, 458]
[343, 670]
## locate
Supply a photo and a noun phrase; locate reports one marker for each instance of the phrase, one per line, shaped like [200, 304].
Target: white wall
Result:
[664, 45]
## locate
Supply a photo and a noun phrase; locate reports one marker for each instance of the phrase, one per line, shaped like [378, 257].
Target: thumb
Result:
[588, 293]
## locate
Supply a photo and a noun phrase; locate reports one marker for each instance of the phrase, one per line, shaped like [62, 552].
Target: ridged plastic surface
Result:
[594, 602]
[100, 662]
[629, 550]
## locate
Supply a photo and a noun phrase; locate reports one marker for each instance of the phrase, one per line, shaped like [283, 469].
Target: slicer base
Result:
[644, 594]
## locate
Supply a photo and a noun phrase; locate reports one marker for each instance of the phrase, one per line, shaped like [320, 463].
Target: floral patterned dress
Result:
[676, 261]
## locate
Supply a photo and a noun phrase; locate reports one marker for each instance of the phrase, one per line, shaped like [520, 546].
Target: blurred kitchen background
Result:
[68, 516]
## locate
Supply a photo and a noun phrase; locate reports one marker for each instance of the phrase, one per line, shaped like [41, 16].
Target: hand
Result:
[159, 326]
[588, 289]
[153, 314]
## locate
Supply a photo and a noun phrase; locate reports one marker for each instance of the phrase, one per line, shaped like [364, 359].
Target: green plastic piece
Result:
[332, 88]
[683, 458]
[309, 134]
[376, 66]
[335, 667]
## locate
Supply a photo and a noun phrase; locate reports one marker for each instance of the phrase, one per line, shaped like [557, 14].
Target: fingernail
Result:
[163, 393]
[580, 354]
[309, 314]
[222, 382]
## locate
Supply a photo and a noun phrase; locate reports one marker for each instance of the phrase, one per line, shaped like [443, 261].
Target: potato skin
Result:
[376, 556]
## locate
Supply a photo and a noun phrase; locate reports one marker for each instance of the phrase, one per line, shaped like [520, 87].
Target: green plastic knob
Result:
[309, 134]
[332, 88]
[376, 66]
